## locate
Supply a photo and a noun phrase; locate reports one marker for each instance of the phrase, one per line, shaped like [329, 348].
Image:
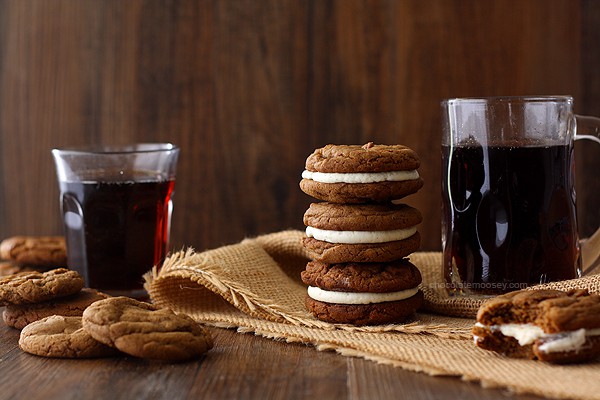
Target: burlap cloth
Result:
[254, 286]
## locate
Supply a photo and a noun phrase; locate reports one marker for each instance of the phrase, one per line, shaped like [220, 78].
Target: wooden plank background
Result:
[248, 88]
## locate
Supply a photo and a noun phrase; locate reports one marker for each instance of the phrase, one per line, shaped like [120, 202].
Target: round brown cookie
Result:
[366, 158]
[360, 192]
[354, 159]
[35, 287]
[361, 217]
[362, 277]
[561, 326]
[20, 315]
[143, 330]
[375, 252]
[365, 314]
[61, 337]
[45, 251]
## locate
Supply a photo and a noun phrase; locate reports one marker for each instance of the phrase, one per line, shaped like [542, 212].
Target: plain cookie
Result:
[61, 337]
[35, 287]
[142, 330]
[19, 316]
[43, 251]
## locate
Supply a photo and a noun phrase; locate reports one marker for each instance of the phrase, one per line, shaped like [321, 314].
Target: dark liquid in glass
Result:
[116, 231]
[509, 217]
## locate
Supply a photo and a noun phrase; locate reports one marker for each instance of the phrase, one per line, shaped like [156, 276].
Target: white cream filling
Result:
[552, 342]
[328, 296]
[569, 342]
[361, 177]
[524, 333]
[357, 237]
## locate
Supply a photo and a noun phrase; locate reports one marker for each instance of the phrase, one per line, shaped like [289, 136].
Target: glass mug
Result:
[116, 203]
[508, 192]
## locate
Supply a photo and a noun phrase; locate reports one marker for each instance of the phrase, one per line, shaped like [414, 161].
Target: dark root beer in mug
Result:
[508, 194]
[510, 218]
[116, 204]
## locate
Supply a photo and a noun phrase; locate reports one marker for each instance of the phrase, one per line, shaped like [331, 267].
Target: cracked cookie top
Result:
[367, 158]
[552, 310]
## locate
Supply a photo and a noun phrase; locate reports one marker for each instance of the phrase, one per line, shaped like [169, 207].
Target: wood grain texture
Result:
[367, 380]
[239, 366]
[249, 88]
[587, 153]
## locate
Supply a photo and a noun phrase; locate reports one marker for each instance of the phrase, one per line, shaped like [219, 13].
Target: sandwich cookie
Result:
[362, 293]
[547, 325]
[361, 174]
[339, 233]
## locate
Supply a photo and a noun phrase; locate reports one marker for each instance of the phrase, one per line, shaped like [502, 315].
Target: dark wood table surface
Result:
[240, 366]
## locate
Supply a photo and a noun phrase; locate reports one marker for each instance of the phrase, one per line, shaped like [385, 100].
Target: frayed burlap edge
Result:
[190, 271]
[203, 269]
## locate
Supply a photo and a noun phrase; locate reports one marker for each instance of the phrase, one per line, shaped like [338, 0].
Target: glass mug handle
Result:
[588, 128]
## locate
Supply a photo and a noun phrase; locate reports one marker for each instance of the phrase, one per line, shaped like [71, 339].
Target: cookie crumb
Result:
[368, 145]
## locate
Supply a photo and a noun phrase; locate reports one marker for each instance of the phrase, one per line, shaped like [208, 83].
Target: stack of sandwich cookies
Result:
[358, 236]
